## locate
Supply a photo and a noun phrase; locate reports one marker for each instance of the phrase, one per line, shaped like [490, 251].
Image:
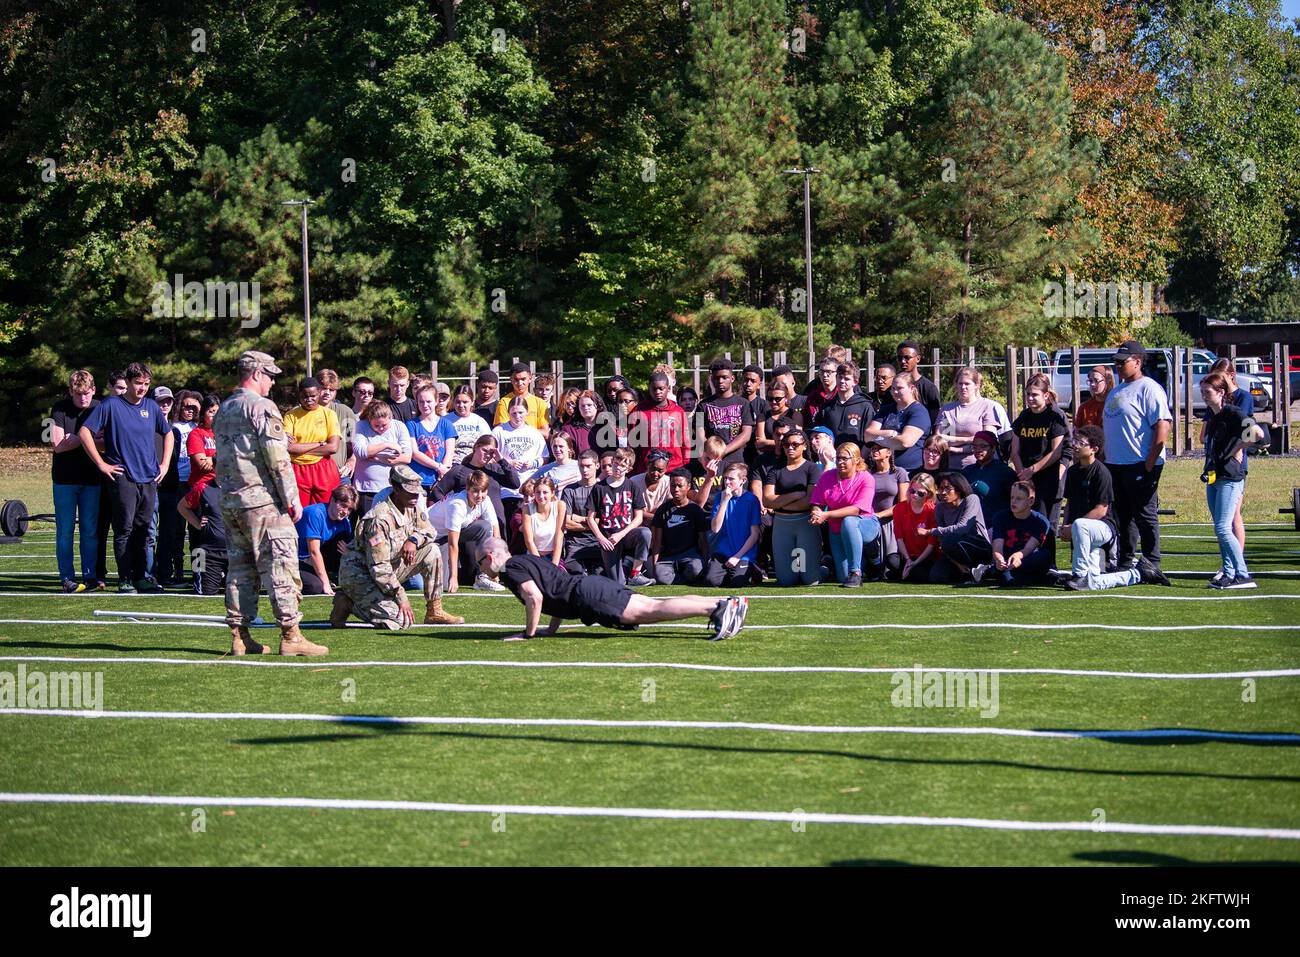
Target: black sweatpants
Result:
[1137, 500]
[133, 506]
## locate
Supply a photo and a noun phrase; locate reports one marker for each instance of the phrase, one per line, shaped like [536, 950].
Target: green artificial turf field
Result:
[789, 745]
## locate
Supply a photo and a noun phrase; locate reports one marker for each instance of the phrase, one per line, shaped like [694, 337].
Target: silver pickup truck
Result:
[1157, 367]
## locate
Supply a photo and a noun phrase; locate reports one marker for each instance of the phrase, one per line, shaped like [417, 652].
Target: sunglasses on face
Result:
[363, 394]
[189, 408]
[918, 492]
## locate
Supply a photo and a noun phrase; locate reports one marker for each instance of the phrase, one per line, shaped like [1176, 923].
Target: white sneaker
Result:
[978, 572]
[484, 583]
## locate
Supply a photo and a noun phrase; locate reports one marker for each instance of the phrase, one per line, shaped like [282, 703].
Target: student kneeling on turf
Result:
[1089, 522]
[737, 525]
[324, 532]
[1018, 533]
[679, 539]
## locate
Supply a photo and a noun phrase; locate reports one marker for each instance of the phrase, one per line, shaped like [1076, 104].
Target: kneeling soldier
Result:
[394, 541]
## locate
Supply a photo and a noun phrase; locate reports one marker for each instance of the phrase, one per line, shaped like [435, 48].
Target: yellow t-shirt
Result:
[314, 426]
[537, 412]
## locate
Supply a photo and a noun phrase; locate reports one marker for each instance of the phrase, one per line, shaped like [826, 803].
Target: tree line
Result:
[564, 178]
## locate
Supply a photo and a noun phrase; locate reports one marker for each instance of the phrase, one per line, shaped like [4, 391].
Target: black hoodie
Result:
[847, 419]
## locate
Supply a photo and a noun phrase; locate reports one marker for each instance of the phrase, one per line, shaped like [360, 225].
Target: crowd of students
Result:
[760, 479]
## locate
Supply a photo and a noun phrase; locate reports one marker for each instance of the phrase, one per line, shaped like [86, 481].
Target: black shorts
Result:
[600, 601]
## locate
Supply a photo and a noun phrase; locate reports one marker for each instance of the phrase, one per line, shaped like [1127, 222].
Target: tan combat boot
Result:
[292, 642]
[242, 644]
[340, 611]
[434, 615]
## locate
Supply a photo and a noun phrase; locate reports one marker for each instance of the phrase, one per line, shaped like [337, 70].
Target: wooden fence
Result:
[1008, 371]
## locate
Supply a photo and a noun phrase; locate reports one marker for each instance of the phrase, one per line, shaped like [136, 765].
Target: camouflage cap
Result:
[250, 361]
[404, 477]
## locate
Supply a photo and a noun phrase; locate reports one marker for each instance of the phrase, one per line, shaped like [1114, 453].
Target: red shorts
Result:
[316, 481]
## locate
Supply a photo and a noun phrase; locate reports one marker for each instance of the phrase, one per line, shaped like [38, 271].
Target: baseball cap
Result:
[1130, 349]
[404, 477]
[442, 388]
[251, 361]
[823, 430]
[162, 392]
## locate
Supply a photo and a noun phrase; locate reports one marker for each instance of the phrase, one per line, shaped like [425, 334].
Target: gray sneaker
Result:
[1241, 581]
[484, 583]
[641, 581]
[732, 618]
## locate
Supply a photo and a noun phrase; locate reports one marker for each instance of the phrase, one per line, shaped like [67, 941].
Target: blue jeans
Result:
[1223, 498]
[846, 544]
[68, 501]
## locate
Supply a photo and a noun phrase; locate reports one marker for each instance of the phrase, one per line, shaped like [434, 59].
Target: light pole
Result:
[807, 172]
[306, 278]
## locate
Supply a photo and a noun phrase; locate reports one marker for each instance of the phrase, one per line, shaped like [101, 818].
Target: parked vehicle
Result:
[1293, 373]
[1156, 366]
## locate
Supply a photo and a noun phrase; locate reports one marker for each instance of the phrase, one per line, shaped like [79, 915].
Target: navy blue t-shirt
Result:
[129, 432]
[315, 523]
[1016, 532]
[915, 414]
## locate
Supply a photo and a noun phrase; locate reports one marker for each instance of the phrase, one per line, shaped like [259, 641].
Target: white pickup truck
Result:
[1157, 367]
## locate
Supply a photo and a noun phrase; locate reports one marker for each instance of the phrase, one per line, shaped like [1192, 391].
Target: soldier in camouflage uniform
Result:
[394, 541]
[259, 504]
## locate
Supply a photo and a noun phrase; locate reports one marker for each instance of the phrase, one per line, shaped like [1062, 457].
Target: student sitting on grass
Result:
[613, 514]
[737, 524]
[1019, 533]
[960, 530]
[543, 522]
[842, 499]
[918, 552]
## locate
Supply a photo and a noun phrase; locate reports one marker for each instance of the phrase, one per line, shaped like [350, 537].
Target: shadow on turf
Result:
[1166, 860]
[370, 731]
[105, 646]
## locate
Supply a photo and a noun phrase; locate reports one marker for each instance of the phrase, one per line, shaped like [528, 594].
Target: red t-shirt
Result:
[201, 441]
[905, 524]
[668, 429]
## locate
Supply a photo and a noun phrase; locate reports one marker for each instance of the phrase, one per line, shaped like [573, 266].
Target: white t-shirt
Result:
[524, 444]
[544, 528]
[453, 513]
[468, 430]
[562, 475]
[1129, 418]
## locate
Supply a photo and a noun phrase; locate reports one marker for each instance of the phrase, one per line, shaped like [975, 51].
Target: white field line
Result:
[474, 721]
[1011, 625]
[866, 596]
[672, 814]
[255, 661]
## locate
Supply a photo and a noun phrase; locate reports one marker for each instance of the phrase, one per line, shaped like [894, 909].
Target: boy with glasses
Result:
[927, 393]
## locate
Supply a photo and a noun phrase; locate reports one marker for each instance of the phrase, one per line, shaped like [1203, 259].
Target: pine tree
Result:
[995, 211]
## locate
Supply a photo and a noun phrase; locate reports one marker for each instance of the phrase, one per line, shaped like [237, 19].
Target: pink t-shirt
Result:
[832, 492]
[957, 419]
